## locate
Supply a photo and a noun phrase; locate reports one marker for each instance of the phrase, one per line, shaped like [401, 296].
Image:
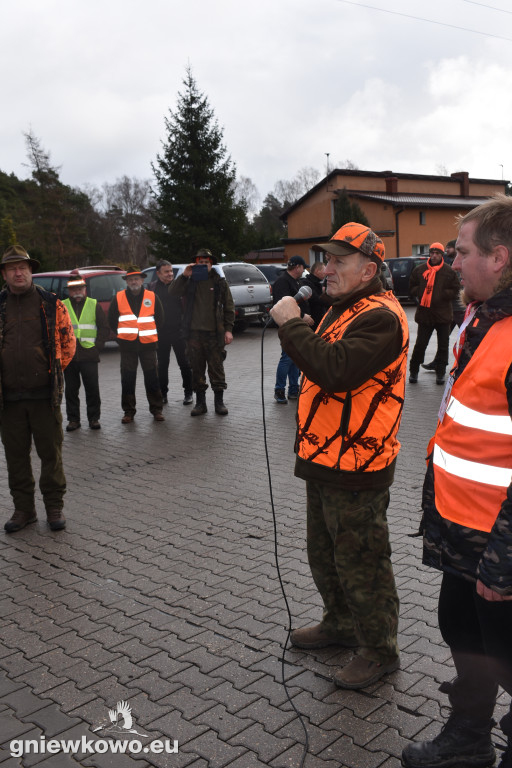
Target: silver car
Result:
[249, 287]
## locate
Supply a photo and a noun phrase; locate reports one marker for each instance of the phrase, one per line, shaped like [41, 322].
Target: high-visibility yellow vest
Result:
[84, 327]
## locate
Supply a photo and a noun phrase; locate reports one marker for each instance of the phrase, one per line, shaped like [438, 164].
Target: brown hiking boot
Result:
[320, 637]
[19, 520]
[361, 672]
[158, 416]
[72, 426]
[56, 519]
[127, 418]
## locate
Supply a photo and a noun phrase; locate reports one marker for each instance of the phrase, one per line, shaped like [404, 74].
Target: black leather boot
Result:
[440, 374]
[462, 742]
[200, 406]
[220, 408]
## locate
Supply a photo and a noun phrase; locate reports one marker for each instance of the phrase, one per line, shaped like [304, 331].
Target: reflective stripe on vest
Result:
[473, 444]
[355, 431]
[84, 327]
[129, 326]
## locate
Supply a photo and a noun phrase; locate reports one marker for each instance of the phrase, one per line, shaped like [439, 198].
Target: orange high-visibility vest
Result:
[473, 444]
[355, 431]
[129, 326]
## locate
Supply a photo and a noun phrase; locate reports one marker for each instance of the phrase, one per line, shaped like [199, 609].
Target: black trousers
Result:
[86, 370]
[165, 344]
[479, 634]
[422, 340]
[131, 354]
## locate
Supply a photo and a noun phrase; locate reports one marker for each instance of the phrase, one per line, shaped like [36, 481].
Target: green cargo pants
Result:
[350, 559]
[205, 351]
[20, 421]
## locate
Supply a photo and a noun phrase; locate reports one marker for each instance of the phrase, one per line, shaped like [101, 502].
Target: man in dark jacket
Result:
[171, 335]
[288, 285]
[349, 410]
[467, 500]
[434, 285]
[208, 326]
[91, 329]
[36, 345]
[136, 316]
[319, 302]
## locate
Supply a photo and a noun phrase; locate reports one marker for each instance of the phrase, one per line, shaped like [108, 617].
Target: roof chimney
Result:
[463, 177]
[391, 185]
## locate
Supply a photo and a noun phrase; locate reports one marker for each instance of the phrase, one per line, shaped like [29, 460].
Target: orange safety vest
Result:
[473, 443]
[129, 326]
[355, 431]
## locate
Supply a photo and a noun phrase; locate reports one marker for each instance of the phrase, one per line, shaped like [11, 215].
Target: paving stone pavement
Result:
[163, 593]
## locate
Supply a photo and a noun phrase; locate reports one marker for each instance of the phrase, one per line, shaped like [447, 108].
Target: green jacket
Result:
[209, 304]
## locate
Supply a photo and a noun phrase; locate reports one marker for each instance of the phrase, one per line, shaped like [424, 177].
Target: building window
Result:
[423, 218]
[420, 249]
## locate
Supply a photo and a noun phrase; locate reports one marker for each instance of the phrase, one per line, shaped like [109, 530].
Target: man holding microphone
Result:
[349, 410]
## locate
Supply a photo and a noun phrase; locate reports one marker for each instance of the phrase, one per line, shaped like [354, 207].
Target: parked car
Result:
[103, 282]
[272, 272]
[386, 276]
[249, 287]
[401, 270]
[150, 273]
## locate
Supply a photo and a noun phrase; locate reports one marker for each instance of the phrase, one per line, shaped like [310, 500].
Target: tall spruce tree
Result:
[195, 184]
[346, 210]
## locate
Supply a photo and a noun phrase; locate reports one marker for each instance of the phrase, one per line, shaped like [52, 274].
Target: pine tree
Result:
[195, 184]
[346, 210]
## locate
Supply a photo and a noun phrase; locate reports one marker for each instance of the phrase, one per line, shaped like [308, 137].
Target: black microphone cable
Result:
[276, 557]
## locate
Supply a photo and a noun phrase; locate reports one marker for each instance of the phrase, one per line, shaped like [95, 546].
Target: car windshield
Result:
[104, 287]
[399, 267]
[238, 274]
[48, 283]
[272, 271]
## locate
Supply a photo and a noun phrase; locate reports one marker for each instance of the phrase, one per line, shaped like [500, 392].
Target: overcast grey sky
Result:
[288, 81]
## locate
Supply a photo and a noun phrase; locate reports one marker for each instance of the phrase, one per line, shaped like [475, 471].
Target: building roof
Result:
[340, 172]
[419, 200]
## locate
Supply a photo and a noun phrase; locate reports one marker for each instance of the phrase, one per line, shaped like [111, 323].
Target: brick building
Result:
[409, 211]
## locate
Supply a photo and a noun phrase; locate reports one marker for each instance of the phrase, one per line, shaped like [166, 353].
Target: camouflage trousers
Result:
[204, 351]
[350, 559]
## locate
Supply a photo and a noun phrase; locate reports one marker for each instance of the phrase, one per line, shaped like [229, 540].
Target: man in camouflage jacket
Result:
[36, 344]
[475, 602]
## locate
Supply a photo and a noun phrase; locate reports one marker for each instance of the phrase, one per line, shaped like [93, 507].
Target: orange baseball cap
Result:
[354, 237]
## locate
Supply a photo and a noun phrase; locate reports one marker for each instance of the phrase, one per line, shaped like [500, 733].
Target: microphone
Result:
[303, 294]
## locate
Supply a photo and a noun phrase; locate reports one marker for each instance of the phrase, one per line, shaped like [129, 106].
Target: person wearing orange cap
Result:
[434, 285]
[349, 410]
[92, 331]
[136, 315]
